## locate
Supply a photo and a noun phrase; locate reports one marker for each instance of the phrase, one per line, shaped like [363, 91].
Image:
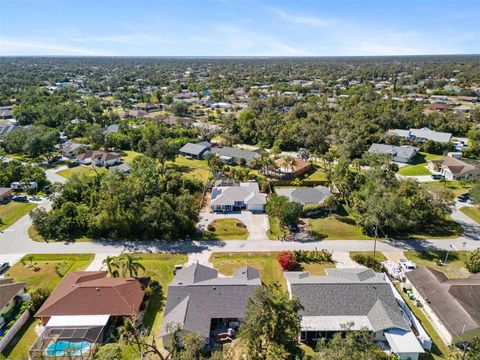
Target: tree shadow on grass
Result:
[155, 305]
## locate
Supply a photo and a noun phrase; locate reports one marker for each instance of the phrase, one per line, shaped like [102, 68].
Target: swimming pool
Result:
[62, 348]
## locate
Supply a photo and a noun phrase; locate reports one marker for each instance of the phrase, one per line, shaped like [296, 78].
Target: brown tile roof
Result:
[93, 293]
[456, 166]
[299, 164]
[456, 302]
[8, 291]
[4, 191]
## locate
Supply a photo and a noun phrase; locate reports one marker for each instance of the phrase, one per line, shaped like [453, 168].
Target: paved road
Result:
[14, 243]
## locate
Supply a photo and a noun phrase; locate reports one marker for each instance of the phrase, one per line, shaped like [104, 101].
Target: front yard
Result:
[47, 270]
[265, 262]
[418, 167]
[455, 267]
[336, 227]
[472, 211]
[225, 229]
[81, 170]
[11, 212]
[457, 188]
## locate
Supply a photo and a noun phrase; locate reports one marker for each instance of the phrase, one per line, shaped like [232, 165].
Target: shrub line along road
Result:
[15, 243]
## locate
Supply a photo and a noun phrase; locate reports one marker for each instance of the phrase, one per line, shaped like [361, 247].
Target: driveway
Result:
[419, 178]
[53, 177]
[257, 224]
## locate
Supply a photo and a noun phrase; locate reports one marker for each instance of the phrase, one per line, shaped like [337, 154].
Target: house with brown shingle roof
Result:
[93, 293]
[453, 305]
[99, 158]
[455, 169]
[9, 292]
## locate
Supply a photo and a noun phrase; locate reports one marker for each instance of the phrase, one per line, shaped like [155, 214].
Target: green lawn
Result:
[226, 229]
[472, 211]
[47, 269]
[19, 347]
[11, 212]
[129, 156]
[80, 170]
[455, 267]
[195, 169]
[457, 188]
[275, 230]
[418, 165]
[266, 263]
[318, 175]
[336, 227]
[378, 255]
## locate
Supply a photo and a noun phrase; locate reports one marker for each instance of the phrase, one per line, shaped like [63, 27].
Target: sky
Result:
[239, 27]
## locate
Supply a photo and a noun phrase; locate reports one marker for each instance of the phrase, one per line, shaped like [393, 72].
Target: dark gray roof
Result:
[197, 295]
[236, 153]
[456, 302]
[348, 292]
[194, 149]
[405, 152]
[305, 195]
[6, 128]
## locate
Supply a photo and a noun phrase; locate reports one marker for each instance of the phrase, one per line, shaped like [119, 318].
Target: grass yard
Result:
[457, 188]
[336, 227]
[226, 229]
[129, 155]
[195, 169]
[266, 263]
[52, 268]
[80, 170]
[455, 267]
[472, 211]
[11, 212]
[318, 175]
[378, 255]
[21, 343]
[275, 230]
[35, 236]
[418, 166]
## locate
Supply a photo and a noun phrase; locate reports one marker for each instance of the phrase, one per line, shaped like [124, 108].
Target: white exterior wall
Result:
[255, 207]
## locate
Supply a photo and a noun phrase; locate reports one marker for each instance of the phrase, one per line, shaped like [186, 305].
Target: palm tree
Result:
[130, 265]
[289, 162]
[111, 262]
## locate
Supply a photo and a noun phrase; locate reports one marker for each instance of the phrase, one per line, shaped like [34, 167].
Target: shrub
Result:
[287, 260]
[313, 256]
[109, 352]
[473, 261]
[368, 261]
[210, 227]
[38, 297]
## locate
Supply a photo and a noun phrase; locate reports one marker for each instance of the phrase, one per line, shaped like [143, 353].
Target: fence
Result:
[14, 329]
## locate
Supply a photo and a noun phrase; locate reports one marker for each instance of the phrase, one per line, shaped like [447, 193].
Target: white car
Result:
[407, 265]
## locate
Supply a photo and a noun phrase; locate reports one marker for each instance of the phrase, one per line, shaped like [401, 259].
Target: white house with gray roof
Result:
[307, 195]
[230, 155]
[421, 135]
[358, 297]
[238, 196]
[195, 150]
[402, 154]
[201, 301]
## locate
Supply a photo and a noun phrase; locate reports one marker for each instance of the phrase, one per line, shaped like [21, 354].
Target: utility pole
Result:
[375, 241]
[446, 256]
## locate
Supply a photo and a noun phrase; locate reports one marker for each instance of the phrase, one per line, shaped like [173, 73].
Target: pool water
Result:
[62, 348]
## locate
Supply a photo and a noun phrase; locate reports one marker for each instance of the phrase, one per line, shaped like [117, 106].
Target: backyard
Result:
[11, 212]
[46, 270]
[472, 211]
[225, 229]
[418, 167]
[194, 169]
[455, 267]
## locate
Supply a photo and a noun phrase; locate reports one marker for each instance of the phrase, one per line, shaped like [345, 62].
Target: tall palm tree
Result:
[130, 265]
[111, 262]
[289, 162]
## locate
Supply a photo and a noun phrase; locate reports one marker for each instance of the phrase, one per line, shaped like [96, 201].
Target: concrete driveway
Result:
[257, 224]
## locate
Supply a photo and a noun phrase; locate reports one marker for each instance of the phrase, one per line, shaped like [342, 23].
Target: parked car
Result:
[73, 164]
[465, 198]
[407, 265]
[4, 267]
[20, 198]
[437, 176]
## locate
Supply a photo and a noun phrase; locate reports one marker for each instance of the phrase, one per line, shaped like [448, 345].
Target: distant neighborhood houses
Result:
[456, 169]
[402, 154]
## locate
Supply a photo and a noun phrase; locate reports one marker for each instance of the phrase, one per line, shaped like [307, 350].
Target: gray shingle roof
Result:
[236, 153]
[194, 149]
[305, 196]
[197, 295]
[348, 292]
[423, 133]
[405, 152]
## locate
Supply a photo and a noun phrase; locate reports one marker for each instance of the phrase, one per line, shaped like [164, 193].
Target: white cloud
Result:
[300, 20]
[41, 47]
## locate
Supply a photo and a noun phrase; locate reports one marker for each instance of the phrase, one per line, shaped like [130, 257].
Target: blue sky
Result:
[239, 28]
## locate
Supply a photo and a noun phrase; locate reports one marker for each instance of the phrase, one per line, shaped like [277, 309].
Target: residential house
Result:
[421, 135]
[133, 114]
[402, 154]
[308, 196]
[111, 129]
[353, 299]
[7, 128]
[453, 305]
[6, 112]
[5, 194]
[283, 170]
[99, 158]
[71, 149]
[231, 155]
[202, 302]
[10, 293]
[440, 107]
[455, 169]
[122, 168]
[81, 309]
[195, 150]
[238, 196]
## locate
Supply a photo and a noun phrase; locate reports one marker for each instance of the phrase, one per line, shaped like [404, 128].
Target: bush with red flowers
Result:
[287, 260]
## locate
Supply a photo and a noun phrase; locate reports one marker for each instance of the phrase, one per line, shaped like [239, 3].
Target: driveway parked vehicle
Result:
[4, 267]
[20, 198]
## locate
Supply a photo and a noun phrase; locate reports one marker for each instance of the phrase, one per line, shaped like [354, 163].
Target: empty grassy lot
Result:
[47, 270]
[418, 166]
[226, 229]
[455, 267]
[472, 211]
[336, 227]
[11, 212]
